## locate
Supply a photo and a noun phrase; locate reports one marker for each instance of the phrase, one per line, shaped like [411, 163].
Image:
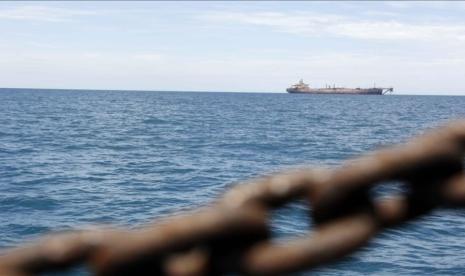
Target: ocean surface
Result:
[70, 159]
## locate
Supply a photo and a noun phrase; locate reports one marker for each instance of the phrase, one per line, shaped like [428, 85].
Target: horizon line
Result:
[189, 91]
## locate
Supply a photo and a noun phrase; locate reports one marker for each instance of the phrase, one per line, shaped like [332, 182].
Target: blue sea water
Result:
[74, 158]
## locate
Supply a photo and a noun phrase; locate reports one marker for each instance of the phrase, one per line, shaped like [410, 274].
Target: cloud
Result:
[42, 13]
[398, 4]
[404, 5]
[292, 23]
[147, 57]
[394, 30]
[311, 24]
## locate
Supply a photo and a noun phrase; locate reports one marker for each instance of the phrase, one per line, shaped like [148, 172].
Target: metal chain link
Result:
[233, 234]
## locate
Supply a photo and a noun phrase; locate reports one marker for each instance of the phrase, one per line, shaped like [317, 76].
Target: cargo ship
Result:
[303, 88]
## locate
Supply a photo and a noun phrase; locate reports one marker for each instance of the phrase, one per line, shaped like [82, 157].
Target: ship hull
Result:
[337, 91]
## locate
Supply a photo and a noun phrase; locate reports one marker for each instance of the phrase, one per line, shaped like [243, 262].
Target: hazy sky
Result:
[417, 47]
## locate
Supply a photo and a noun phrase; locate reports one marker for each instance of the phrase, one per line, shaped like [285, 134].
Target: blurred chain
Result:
[233, 234]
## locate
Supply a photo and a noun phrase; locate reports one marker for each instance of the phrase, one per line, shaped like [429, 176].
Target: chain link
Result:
[232, 235]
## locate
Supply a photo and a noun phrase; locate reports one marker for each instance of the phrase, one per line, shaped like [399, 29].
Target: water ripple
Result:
[72, 158]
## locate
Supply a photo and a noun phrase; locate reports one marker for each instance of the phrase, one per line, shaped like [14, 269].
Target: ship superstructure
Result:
[304, 88]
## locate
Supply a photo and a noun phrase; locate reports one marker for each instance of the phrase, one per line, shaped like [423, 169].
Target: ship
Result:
[303, 88]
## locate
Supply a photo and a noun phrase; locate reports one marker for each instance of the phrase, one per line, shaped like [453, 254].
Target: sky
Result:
[415, 47]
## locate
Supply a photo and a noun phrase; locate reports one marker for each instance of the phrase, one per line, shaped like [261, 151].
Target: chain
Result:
[232, 235]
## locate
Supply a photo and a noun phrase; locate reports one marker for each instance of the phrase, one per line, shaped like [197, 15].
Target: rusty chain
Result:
[233, 235]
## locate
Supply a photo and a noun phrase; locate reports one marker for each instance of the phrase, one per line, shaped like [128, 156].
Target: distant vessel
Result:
[304, 88]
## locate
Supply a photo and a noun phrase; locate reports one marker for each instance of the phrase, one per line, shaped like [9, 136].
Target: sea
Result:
[70, 159]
